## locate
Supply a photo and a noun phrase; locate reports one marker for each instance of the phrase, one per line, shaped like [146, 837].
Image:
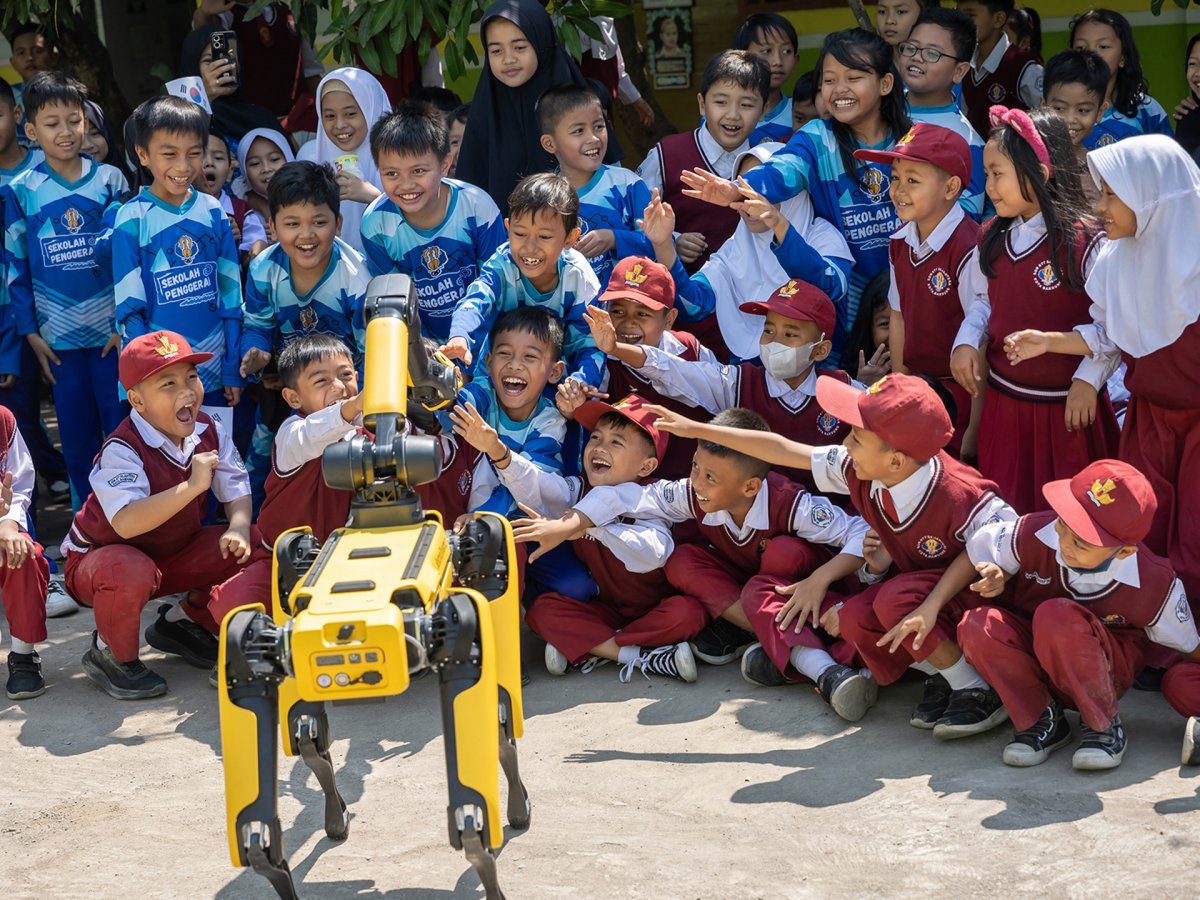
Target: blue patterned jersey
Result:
[275, 315]
[442, 261]
[501, 287]
[775, 125]
[858, 204]
[615, 198]
[176, 267]
[1115, 126]
[539, 438]
[56, 285]
[951, 117]
[11, 342]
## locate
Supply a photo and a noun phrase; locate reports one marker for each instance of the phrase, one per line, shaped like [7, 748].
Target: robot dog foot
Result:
[268, 861]
[470, 824]
[519, 808]
[312, 740]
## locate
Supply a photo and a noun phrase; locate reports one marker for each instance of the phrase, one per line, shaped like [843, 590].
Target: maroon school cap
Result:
[931, 144]
[902, 410]
[641, 280]
[633, 408]
[1108, 504]
[150, 353]
[798, 300]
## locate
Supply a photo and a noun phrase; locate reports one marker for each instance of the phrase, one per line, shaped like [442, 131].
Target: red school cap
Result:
[931, 144]
[902, 410]
[1108, 504]
[150, 353]
[633, 408]
[641, 280]
[798, 300]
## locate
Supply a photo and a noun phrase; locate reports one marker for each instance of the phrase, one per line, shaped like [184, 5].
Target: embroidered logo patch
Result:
[464, 483]
[186, 248]
[939, 282]
[308, 318]
[789, 289]
[72, 220]
[1105, 140]
[1034, 576]
[1101, 494]
[821, 516]
[907, 138]
[827, 424]
[635, 276]
[1113, 619]
[166, 348]
[1183, 612]
[931, 546]
[875, 185]
[877, 386]
[1044, 276]
[123, 478]
[434, 259]
[996, 93]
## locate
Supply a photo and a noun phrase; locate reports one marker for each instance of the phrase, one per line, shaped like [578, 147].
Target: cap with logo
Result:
[798, 300]
[641, 280]
[633, 408]
[902, 410]
[150, 353]
[931, 144]
[1108, 504]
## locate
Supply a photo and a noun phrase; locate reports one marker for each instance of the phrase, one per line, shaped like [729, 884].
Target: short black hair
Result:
[534, 320]
[27, 28]
[303, 352]
[542, 192]
[442, 99]
[459, 115]
[995, 6]
[1077, 67]
[46, 88]
[170, 114]
[413, 129]
[805, 88]
[559, 100]
[7, 97]
[957, 24]
[739, 417]
[303, 182]
[743, 68]
[625, 425]
[760, 25]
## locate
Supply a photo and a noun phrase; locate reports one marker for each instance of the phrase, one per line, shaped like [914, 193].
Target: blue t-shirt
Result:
[11, 343]
[442, 261]
[615, 198]
[57, 285]
[775, 125]
[1115, 126]
[951, 117]
[176, 268]
[276, 315]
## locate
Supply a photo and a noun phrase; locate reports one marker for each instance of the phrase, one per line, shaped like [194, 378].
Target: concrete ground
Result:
[653, 789]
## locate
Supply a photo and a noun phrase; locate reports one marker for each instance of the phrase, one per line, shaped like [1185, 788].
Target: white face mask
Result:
[784, 361]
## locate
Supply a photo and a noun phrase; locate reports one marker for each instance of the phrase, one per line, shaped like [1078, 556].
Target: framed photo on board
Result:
[669, 42]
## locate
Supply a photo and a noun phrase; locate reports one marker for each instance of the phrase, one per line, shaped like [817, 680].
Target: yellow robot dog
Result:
[385, 597]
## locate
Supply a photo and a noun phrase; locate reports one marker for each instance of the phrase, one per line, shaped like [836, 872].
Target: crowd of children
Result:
[894, 371]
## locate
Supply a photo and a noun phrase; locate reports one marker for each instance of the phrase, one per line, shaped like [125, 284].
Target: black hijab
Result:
[502, 141]
[95, 116]
[232, 115]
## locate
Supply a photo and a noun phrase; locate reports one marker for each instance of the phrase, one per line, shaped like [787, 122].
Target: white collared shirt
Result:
[1173, 627]
[670, 345]
[719, 160]
[1030, 87]
[301, 439]
[923, 249]
[19, 463]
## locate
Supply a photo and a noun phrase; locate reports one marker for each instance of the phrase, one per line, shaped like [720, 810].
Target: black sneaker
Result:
[121, 681]
[1149, 680]
[1033, 746]
[1191, 742]
[24, 676]
[721, 643]
[672, 660]
[184, 639]
[757, 668]
[933, 703]
[970, 711]
[1100, 749]
[849, 691]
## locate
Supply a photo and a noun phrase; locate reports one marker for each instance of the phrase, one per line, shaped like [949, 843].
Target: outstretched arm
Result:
[772, 448]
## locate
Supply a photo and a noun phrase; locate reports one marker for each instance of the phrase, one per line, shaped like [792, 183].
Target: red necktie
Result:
[889, 508]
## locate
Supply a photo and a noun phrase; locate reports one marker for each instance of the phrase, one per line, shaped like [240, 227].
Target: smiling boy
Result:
[1073, 87]
[773, 38]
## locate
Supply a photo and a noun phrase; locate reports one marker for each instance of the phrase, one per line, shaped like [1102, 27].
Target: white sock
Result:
[175, 613]
[628, 654]
[19, 646]
[925, 666]
[810, 661]
[962, 675]
[100, 645]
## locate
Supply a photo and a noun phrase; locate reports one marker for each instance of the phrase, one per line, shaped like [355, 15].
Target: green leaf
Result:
[383, 46]
[364, 28]
[570, 39]
[370, 58]
[591, 29]
[416, 19]
[335, 8]
[452, 57]
[256, 8]
[436, 18]
[423, 46]
[383, 14]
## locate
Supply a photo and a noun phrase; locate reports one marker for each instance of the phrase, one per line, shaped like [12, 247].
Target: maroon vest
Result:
[1025, 292]
[929, 300]
[624, 380]
[450, 493]
[629, 592]
[1170, 376]
[806, 423]
[1001, 86]
[269, 56]
[8, 428]
[783, 495]
[301, 497]
[1041, 578]
[679, 153]
[91, 528]
[936, 532]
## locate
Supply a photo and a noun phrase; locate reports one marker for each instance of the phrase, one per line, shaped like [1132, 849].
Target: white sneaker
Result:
[556, 663]
[58, 601]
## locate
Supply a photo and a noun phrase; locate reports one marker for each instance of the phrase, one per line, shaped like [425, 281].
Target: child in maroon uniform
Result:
[320, 383]
[930, 167]
[24, 572]
[1083, 601]
[139, 535]
[922, 506]
[798, 320]
[636, 618]
[1047, 420]
[1001, 72]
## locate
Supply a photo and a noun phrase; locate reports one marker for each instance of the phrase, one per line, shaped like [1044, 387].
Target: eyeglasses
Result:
[927, 54]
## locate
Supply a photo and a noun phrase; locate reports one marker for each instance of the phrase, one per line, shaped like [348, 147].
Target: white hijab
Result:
[242, 184]
[744, 268]
[1148, 286]
[373, 100]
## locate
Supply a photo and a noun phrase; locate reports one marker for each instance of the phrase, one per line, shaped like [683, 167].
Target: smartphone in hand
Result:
[224, 47]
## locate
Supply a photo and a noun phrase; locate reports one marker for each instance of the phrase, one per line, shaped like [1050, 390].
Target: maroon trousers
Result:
[251, 584]
[866, 617]
[575, 627]
[23, 595]
[1181, 687]
[118, 580]
[1063, 651]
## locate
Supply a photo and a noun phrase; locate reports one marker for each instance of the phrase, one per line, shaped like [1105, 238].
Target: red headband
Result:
[1018, 120]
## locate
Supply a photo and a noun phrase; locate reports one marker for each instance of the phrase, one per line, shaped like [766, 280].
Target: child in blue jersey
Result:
[60, 294]
[611, 199]
[435, 230]
[862, 93]
[32, 52]
[933, 60]
[1073, 88]
[806, 94]
[772, 37]
[1131, 108]
[310, 281]
[538, 266]
[174, 260]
